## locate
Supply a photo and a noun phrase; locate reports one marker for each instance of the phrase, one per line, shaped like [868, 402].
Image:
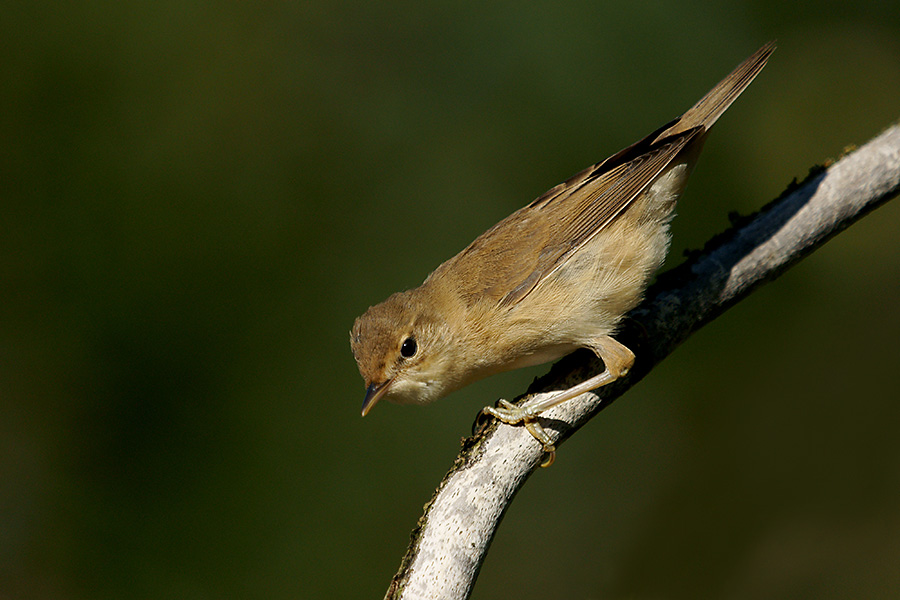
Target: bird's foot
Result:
[512, 414]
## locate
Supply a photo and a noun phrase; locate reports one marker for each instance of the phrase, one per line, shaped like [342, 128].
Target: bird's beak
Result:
[373, 394]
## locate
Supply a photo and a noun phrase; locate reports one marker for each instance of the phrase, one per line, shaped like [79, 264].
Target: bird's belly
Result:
[540, 356]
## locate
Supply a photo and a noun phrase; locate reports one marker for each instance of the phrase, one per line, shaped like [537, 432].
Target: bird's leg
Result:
[617, 359]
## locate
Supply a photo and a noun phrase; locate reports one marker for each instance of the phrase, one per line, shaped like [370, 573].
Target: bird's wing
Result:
[510, 259]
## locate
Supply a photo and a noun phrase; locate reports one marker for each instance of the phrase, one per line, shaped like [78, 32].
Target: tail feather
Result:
[708, 110]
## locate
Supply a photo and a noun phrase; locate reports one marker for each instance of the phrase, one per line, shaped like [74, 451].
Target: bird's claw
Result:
[512, 414]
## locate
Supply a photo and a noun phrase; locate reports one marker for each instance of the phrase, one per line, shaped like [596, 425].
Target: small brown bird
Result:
[553, 277]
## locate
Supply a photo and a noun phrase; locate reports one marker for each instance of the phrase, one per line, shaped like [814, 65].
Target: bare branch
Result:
[453, 536]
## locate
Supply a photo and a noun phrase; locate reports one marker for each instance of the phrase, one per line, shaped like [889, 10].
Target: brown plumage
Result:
[554, 276]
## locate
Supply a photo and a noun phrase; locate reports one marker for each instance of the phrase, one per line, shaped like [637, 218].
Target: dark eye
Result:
[408, 348]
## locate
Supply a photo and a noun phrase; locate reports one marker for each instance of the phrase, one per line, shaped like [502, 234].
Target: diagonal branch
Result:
[452, 538]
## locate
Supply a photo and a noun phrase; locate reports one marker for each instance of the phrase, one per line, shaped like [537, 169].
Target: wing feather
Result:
[514, 256]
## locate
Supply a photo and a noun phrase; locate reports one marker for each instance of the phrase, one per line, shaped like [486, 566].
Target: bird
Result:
[555, 276]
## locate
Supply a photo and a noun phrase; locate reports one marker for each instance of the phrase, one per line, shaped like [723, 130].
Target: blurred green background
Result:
[199, 198]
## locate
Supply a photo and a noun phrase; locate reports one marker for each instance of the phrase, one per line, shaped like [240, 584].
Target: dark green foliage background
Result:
[196, 199]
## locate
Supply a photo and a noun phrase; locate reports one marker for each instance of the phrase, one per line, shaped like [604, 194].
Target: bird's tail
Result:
[717, 100]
